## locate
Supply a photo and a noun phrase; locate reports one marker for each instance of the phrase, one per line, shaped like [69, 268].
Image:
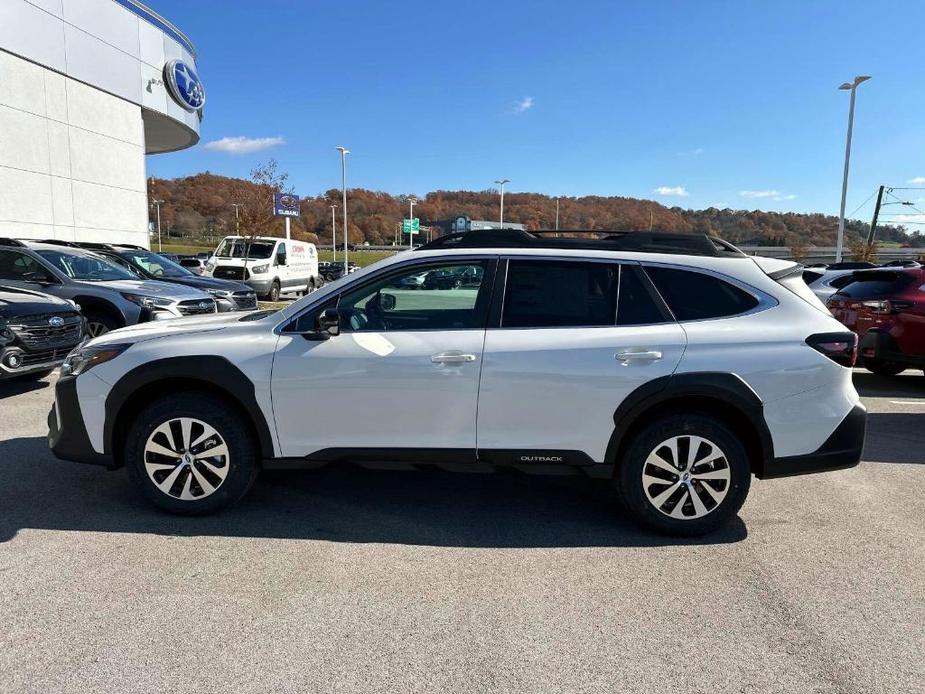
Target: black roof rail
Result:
[53, 242]
[637, 241]
[5, 241]
[94, 245]
[128, 245]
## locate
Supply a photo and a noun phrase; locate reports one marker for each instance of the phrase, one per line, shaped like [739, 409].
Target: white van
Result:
[270, 265]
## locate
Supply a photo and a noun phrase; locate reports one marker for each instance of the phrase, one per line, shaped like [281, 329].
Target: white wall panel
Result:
[103, 207]
[52, 6]
[25, 196]
[96, 158]
[30, 31]
[55, 96]
[107, 21]
[93, 110]
[95, 62]
[21, 84]
[23, 141]
[62, 203]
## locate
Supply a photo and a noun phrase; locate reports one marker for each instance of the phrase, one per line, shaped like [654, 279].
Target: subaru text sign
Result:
[286, 205]
[184, 85]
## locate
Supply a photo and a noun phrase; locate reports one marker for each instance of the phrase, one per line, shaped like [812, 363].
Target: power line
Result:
[863, 203]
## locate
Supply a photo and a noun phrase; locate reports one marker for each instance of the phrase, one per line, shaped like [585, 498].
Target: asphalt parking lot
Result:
[344, 580]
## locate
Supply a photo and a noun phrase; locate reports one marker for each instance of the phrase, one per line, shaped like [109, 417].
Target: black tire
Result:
[99, 323]
[273, 295]
[242, 459]
[883, 368]
[632, 490]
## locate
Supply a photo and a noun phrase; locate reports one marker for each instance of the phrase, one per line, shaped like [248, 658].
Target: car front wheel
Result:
[191, 454]
[684, 475]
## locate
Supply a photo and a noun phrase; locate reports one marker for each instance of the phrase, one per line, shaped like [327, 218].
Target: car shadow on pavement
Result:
[909, 384]
[895, 437]
[336, 504]
[18, 387]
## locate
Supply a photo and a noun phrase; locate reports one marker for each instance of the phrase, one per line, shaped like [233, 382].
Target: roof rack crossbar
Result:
[6, 241]
[632, 241]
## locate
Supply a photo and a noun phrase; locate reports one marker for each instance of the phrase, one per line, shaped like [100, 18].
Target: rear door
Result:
[573, 339]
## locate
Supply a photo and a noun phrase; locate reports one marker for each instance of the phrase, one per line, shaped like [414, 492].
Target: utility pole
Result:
[852, 87]
[334, 232]
[237, 223]
[873, 222]
[343, 172]
[411, 203]
[501, 183]
[157, 204]
[557, 217]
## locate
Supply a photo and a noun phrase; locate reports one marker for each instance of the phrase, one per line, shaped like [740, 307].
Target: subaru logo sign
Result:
[184, 85]
[286, 205]
[56, 321]
[205, 305]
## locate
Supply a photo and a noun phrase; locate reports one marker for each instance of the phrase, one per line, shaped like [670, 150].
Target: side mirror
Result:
[388, 302]
[327, 325]
[280, 258]
[37, 278]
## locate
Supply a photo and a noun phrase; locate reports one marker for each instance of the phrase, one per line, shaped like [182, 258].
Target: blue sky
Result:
[732, 103]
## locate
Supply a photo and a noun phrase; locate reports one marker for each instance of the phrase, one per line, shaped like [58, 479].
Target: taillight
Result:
[842, 348]
[887, 306]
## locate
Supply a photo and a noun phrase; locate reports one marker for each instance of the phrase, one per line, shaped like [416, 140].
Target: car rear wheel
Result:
[684, 475]
[191, 454]
[883, 368]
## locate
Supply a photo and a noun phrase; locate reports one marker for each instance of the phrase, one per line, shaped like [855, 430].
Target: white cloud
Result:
[692, 153]
[524, 104]
[243, 145]
[918, 180]
[908, 219]
[759, 193]
[774, 195]
[671, 190]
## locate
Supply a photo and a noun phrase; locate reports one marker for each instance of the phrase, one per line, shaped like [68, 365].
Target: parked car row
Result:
[54, 293]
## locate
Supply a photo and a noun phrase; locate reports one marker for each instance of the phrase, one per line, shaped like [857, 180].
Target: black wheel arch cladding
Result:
[725, 388]
[214, 372]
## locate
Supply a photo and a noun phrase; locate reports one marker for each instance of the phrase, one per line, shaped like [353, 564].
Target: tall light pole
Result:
[852, 87]
[343, 173]
[411, 203]
[501, 183]
[157, 204]
[334, 232]
[237, 222]
[557, 217]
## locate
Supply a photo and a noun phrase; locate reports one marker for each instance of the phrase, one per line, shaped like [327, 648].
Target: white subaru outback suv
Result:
[670, 363]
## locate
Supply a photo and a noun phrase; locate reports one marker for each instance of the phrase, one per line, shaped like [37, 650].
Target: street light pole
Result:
[157, 204]
[334, 232]
[411, 203]
[501, 183]
[852, 87]
[237, 223]
[557, 217]
[343, 173]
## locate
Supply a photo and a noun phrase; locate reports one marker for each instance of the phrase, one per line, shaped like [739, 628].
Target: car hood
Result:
[23, 302]
[164, 290]
[175, 326]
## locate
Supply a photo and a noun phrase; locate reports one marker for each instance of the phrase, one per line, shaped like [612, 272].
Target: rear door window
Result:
[699, 296]
[559, 294]
[637, 305]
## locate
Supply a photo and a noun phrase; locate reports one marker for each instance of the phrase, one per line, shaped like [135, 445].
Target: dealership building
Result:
[87, 89]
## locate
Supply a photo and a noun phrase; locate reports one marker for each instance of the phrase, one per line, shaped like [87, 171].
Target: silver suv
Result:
[110, 296]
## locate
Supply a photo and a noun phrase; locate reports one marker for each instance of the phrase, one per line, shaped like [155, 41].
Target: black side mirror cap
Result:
[327, 325]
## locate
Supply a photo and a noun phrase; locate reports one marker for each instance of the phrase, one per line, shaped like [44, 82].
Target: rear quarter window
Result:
[865, 285]
[699, 296]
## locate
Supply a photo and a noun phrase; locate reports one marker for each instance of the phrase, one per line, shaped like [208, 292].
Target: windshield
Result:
[88, 268]
[155, 264]
[241, 248]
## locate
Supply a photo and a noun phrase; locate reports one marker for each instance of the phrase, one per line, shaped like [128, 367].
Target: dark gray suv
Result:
[110, 296]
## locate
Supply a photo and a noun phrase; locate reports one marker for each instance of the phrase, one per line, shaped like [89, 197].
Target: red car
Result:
[886, 308]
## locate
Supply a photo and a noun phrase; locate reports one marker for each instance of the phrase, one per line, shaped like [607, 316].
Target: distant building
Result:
[460, 224]
[87, 89]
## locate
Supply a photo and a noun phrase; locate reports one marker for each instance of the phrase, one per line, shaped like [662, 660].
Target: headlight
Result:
[147, 301]
[260, 268]
[220, 293]
[84, 358]
[210, 266]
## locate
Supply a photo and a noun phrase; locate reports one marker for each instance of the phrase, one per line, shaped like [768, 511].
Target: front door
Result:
[401, 380]
[575, 338]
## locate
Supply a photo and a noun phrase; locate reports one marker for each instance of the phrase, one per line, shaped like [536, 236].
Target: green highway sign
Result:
[410, 226]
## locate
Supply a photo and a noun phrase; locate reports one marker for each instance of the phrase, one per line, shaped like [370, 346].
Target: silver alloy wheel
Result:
[686, 477]
[186, 458]
[96, 328]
